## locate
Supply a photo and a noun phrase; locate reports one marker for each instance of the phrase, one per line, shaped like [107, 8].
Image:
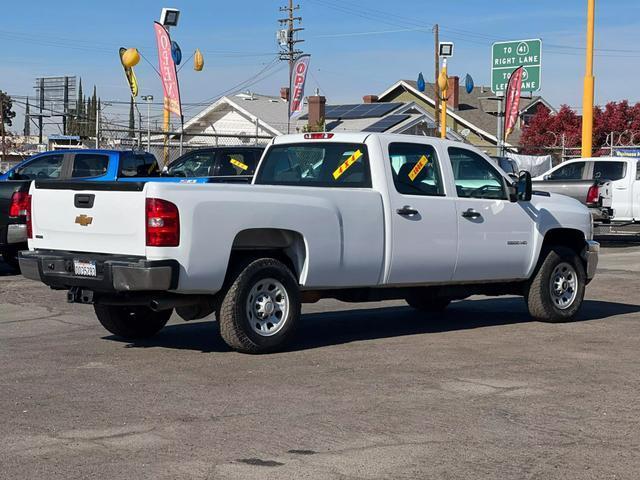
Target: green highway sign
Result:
[507, 56]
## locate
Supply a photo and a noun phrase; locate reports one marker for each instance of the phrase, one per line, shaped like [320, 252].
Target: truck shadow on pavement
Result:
[352, 325]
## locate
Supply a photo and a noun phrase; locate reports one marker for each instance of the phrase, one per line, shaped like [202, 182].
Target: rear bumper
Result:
[14, 234]
[590, 255]
[601, 214]
[114, 273]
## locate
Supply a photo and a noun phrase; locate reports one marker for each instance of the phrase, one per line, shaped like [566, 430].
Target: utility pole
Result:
[2, 124]
[98, 126]
[40, 125]
[292, 40]
[589, 82]
[436, 91]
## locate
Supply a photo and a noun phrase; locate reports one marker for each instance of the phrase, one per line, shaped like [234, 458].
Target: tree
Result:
[6, 115]
[132, 120]
[547, 131]
[26, 131]
[6, 112]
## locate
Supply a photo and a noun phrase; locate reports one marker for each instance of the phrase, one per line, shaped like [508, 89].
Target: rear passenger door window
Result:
[573, 171]
[237, 163]
[475, 177]
[415, 169]
[609, 170]
[88, 165]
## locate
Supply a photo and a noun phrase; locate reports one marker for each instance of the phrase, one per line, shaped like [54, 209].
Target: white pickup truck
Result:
[352, 216]
[619, 194]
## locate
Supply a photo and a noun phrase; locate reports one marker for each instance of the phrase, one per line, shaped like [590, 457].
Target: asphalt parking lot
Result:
[368, 391]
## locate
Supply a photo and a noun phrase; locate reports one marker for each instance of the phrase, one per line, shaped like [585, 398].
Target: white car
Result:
[352, 216]
[622, 196]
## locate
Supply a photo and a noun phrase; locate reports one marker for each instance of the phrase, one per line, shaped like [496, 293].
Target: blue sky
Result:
[358, 47]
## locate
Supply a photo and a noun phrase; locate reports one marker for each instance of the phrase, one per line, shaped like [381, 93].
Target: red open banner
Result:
[168, 73]
[512, 107]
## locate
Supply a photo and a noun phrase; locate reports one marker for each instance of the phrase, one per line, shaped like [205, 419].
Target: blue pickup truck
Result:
[216, 164]
[208, 165]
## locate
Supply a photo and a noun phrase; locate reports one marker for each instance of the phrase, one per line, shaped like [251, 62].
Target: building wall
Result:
[228, 122]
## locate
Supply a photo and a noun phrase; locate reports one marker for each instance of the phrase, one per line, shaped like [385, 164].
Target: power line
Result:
[407, 24]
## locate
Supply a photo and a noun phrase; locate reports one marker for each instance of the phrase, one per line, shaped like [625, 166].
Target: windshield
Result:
[318, 164]
[196, 164]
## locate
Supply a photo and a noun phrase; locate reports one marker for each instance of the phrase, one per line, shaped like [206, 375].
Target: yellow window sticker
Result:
[239, 164]
[418, 167]
[347, 163]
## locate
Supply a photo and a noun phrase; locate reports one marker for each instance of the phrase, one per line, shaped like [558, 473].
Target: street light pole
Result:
[589, 82]
[148, 99]
[443, 83]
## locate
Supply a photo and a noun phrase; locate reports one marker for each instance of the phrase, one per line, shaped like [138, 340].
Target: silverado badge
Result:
[84, 220]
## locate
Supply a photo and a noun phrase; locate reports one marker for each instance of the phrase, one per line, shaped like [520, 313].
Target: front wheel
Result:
[260, 308]
[556, 291]
[131, 322]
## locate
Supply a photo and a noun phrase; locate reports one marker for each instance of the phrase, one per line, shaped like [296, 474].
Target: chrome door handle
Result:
[471, 213]
[407, 211]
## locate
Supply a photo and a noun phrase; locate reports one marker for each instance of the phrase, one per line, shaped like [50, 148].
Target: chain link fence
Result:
[169, 146]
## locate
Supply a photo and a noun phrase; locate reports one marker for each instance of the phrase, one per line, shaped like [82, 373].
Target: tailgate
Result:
[97, 217]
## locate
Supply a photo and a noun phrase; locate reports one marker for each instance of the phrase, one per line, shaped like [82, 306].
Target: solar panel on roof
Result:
[360, 110]
[386, 123]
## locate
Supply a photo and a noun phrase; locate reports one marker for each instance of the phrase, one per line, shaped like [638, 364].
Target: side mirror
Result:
[521, 189]
[524, 187]
[513, 176]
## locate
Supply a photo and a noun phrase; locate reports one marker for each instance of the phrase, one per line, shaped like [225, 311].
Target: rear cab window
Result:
[138, 165]
[609, 170]
[318, 164]
[87, 165]
[415, 169]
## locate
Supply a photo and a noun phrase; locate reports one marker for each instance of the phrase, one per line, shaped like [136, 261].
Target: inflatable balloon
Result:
[130, 58]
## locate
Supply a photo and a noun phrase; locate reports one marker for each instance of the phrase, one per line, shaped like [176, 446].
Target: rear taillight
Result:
[593, 195]
[318, 136]
[19, 204]
[21, 207]
[163, 223]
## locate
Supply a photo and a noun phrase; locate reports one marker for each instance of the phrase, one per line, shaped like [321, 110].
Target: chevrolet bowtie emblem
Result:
[84, 220]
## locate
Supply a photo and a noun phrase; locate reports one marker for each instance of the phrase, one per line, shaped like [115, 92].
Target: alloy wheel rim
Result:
[267, 307]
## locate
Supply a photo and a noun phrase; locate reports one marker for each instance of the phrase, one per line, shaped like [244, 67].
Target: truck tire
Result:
[10, 257]
[260, 307]
[556, 290]
[133, 322]
[427, 301]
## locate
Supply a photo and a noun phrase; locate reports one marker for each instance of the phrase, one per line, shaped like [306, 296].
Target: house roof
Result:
[477, 111]
[270, 111]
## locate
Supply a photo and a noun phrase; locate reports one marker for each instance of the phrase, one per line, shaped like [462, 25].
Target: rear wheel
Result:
[10, 257]
[556, 291]
[260, 308]
[132, 322]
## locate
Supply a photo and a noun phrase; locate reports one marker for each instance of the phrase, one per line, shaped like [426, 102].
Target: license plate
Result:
[85, 269]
